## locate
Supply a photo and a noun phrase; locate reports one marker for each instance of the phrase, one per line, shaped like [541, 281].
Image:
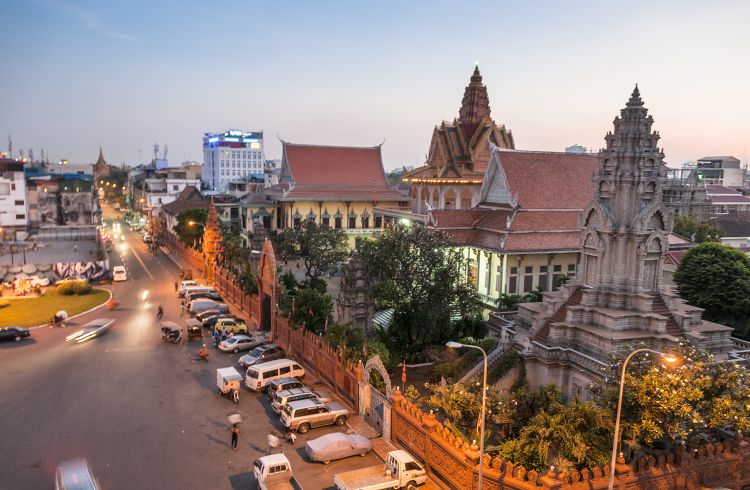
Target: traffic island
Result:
[31, 311]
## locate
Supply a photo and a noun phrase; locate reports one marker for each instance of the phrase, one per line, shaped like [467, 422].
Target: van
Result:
[259, 375]
[197, 289]
[184, 285]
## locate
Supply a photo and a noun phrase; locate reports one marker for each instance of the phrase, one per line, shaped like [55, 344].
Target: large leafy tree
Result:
[689, 227]
[677, 403]
[717, 278]
[320, 247]
[312, 309]
[236, 257]
[191, 235]
[417, 273]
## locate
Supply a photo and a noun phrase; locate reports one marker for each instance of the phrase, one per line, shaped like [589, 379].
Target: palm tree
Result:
[344, 337]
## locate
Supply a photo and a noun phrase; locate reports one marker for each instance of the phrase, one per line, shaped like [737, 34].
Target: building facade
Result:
[14, 214]
[459, 154]
[231, 156]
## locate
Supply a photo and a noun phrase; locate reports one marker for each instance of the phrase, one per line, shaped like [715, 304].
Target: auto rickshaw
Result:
[171, 332]
[186, 274]
[228, 380]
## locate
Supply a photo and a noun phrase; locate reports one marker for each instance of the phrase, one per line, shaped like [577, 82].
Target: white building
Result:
[14, 216]
[167, 183]
[231, 156]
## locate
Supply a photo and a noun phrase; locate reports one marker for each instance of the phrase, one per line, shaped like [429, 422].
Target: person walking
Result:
[273, 443]
[175, 286]
[235, 435]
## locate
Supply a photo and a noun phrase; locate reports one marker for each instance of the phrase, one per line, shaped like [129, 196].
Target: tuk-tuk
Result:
[171, 332]
[194, 329]
[228, 380]
[186, 274]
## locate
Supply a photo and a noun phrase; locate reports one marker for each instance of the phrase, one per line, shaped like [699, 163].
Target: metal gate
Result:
[374, 415]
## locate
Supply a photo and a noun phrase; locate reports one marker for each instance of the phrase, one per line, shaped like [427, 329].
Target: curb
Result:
[41, 325]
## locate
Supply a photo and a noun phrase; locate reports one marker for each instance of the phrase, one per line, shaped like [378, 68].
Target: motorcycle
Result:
[113, 304]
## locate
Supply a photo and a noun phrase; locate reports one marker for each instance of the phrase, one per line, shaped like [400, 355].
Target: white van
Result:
[259, 375]
[197, 289]
[186, 284]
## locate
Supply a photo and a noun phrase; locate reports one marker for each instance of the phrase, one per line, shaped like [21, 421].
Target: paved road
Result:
[144, 413]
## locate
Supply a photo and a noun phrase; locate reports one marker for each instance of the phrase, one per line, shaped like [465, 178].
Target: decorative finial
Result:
[476, 77]
[635, 98]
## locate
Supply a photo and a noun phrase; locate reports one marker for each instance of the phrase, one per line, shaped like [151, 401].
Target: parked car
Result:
[211, 320]
[264, 353]
[282, 384]
[337, 445]
[14, 333]
[281, 398]
[303, 415]
[199, 305]
[119, 273]
[233, 325]
[259, 375]
[238, 343]
[184, 285]
[273, 472]
[208, 314]
[94, 328]
[75, 474]
[204, 295]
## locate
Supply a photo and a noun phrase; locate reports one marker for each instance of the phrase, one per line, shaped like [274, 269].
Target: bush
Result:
[507, 361]
[69, 288]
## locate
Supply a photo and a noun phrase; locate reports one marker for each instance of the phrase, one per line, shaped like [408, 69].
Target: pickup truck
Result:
[400, 471]
[273, 472]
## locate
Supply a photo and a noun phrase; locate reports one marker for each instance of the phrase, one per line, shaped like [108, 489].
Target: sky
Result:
[127, 74]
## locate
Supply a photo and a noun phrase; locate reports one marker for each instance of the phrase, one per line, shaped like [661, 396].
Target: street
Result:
[144, 413]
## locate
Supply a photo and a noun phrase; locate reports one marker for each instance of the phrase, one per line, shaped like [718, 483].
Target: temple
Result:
[101, 168]
[459, 155]
[618, 299]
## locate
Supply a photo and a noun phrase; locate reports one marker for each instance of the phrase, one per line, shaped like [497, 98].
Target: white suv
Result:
[119, 273]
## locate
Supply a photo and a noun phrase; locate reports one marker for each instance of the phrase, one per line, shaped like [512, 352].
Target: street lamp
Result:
[456, 345]
[273, 286]
[192, 223]
[667, 358]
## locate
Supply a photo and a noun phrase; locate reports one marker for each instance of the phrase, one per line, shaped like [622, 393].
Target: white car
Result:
[92, 329]
[119, 273]
[238, 343]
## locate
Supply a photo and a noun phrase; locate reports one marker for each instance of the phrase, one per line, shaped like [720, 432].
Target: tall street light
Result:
[456, 345]
[273, 286]
[667, 358]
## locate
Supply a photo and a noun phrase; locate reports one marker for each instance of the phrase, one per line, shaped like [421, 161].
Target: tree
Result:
[236, 258]
[689, 227]
[508, 302]
[191, 235]
[717, 278]
[312, 309]
[415, 271]
[677, 403]
[346, 338]
[320, 247]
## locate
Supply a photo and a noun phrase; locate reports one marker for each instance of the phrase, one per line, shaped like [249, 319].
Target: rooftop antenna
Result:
[140, 158]
[31, 155]
[165, 152]
[156, 151]
[10, 147]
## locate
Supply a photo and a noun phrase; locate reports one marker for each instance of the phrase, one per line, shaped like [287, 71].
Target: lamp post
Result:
[668, 358]
[455, 345]
[273, 287]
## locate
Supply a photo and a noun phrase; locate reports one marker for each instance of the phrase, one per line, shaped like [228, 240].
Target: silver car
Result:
[75, 474]
[337, 446]
[303, 415]
[92, 329]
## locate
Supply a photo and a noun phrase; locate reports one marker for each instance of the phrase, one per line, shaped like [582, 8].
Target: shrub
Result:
[507, 361]
[69, 288]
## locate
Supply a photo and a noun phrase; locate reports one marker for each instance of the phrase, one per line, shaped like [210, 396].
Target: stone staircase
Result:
[660, 308]
[560, 314]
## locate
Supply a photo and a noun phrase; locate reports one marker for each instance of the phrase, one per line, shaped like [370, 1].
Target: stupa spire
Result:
[475, 105]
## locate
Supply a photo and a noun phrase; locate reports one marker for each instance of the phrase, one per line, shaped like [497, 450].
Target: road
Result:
[144, 413]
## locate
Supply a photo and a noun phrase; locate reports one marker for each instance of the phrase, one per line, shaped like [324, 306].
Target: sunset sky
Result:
[127, 74]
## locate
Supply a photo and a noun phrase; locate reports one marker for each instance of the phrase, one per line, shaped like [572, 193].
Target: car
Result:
[303, 415]
[94, 328]
[184, 285]
[211, 314]
[238, 343]
[200, 305]
[263, 353]
[204, 295]
[75, 474]
[282, 384]
[211, 320]
[14, 333]
[230, 325]
[281, 398]
[337, 445]
[119, 273]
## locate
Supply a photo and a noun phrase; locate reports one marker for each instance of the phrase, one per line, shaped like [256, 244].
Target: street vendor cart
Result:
[228, 380]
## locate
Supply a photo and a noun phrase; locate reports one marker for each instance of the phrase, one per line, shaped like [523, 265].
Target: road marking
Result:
[138, 258]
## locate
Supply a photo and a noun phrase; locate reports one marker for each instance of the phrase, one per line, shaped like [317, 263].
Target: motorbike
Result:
[159, 313]
[113, 304]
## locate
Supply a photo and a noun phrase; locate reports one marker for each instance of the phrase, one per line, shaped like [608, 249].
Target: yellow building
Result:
[337, 186]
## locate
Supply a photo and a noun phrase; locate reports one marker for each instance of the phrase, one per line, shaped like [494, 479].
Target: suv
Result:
[283, 384]
[265, 353]
[280, 398]
[233, 325]
[302, 415]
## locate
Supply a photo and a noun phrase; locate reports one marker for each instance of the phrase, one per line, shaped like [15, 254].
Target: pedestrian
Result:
[175, 286]
[273, 442]
[235, 434]
[33, 246]
[231, 334]
[290, 437]
[223, 334]
[75, 248]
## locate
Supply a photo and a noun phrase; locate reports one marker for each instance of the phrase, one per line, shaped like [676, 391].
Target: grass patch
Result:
[28, 312]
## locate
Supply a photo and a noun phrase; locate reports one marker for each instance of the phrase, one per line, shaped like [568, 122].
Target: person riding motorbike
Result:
[144, 295]
[203, 353]
[160, 312]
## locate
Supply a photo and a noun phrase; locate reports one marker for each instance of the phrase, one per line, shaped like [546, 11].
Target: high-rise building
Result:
[231, 156]
[13, 208]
